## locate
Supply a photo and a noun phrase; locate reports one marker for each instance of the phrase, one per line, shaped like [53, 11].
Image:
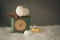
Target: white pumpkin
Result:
[27, 32]
[19, 11]
[26, 12]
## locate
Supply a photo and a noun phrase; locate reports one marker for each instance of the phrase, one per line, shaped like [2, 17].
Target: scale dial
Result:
[20, 25]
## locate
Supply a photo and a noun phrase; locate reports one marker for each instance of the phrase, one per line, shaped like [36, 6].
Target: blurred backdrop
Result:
[42, 12]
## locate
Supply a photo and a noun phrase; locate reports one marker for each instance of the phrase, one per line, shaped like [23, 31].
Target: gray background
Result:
[42, 12]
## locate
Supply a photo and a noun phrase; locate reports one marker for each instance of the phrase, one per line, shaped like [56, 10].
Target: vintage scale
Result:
[19, 23]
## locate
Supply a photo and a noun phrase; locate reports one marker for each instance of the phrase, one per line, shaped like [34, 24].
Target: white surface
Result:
[51, 32]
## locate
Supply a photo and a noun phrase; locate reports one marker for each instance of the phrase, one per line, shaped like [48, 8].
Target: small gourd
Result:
[36, 29]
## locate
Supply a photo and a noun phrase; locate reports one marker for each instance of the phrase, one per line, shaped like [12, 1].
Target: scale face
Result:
[20, 25]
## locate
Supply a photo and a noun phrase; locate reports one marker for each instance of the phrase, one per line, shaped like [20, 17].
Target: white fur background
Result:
[50, 32]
